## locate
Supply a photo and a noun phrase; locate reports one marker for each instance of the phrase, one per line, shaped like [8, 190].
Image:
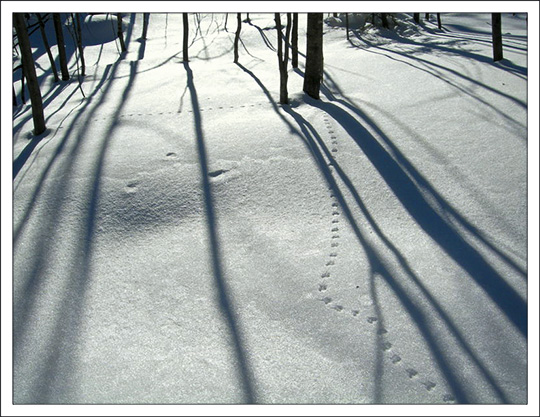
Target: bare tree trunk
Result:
[226, 17]
[237, 36]
[61, 46]
[78, 34]
[314, 55]
[439, 23]
[120, 32]
[146, 17]
[47, 47]
[294, 41]
[497, 36]
[384, 20]
[30, 73]
[287, 40]
[185, 55]
[347, 24]
[282, 56]
[23, 99]
[416, 17]
[427, 16]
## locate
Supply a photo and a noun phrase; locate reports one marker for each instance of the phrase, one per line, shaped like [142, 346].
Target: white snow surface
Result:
[180, 237]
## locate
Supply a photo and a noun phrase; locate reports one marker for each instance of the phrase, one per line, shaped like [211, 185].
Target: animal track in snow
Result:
[217, 172]
[387, 346]
[395, 359]
[131, 186]
[448, 398]
[429, 385]
[382, 333]
[162, 113]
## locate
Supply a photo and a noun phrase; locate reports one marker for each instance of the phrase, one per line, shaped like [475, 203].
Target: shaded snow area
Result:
[180, 237]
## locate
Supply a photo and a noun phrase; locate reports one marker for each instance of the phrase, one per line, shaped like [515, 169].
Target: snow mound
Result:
[371, 23]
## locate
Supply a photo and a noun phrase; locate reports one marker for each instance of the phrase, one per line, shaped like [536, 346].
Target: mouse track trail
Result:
[326, 282]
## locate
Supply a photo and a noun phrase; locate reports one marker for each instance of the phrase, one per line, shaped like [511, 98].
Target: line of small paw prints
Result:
[395, 358]
[170, 113]
[385, 345]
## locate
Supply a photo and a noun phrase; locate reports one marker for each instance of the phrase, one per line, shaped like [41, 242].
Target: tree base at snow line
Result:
[29, 72]
[314, 55]
[237, 36]
[61, 46]
[185, 55]
[497, 36]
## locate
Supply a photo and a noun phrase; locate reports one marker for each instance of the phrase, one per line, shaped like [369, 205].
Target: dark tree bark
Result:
[23, 77]
[384, 20]
[30, 73]
[78, 35]
[416, 17]
[427, 16]
[497, 36]
[314, 55]
[439, 23]
[237, 36]
[347, 24]
[283, 57]
[23, 100]
[226, 17]
[120, 32]
[47, 47]
[294, 41]
[288, 39]
[61, 46]
[146, 17]
[185, 55]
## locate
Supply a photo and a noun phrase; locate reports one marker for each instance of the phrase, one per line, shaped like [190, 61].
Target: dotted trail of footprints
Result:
[332, 259]
[168, 113]
[326, 276]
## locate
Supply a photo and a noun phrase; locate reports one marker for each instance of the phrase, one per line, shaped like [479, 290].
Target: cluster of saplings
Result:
[286, 42]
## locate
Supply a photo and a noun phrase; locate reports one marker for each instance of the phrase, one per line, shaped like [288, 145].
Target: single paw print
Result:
[395, 359]
[429, 385]
[386, 346]
[448, 398]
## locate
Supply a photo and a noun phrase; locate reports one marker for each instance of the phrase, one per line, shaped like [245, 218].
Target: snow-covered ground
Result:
[180, 237]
